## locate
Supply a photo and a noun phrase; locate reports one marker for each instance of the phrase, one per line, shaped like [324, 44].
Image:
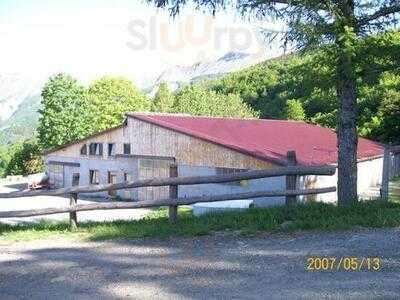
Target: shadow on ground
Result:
[17, 186]
[217, 266]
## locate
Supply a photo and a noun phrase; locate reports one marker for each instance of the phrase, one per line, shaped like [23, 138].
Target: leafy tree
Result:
[294, 110]
[314, 23]
[25, 158]
[4, 160]
[63, 109]
[309, 78]
[163, 99]
[110, 98]
[198, 100]
[386, 123]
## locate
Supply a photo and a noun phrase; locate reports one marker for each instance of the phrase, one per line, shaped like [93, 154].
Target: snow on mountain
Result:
[14, 90]
[230, 62]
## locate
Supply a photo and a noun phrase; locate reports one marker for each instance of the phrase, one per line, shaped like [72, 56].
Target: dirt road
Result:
[220, 266]
[57, 201]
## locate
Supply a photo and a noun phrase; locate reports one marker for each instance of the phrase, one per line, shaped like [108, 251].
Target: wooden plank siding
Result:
[115, 136]
[149, 139]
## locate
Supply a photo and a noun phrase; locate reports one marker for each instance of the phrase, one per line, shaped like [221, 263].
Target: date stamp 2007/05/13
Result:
[345, 263]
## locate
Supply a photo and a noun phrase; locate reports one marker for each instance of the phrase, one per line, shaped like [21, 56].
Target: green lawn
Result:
[394, 189]
[308, 216]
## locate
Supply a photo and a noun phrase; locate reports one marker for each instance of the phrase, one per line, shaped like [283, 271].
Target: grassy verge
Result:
[394, 189]
[311, 216]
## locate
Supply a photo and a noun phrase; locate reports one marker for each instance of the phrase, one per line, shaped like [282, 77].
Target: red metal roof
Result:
[265, 139]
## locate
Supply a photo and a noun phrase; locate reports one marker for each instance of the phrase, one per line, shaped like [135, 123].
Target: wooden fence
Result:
[292, 171]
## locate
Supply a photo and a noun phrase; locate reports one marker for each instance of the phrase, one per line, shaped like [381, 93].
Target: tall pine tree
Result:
[163, 99]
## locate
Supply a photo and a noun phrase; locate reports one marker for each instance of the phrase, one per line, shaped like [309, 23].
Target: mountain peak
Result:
[233, 55]
[229, 62]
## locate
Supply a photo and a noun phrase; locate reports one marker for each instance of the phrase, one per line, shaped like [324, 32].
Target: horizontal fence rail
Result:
[171, 181]
[292, 171]
[162, 202]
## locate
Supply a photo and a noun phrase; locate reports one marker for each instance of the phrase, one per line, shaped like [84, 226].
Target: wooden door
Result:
[149, 169]
[75, 179]
[112, 179]
[128, 194]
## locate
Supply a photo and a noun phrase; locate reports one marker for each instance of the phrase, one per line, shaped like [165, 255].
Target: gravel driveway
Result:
[219, 266]
[56, 201]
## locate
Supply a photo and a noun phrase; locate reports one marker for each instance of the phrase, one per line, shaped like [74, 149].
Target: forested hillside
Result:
[22, 123]
[301, 86]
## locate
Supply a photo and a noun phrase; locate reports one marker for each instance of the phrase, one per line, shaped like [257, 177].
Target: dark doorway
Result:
[75, 179]
[112, 178]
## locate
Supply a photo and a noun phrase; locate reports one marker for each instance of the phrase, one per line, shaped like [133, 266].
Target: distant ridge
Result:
[230, 62]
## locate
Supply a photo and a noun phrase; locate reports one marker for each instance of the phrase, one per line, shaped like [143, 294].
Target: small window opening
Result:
[94, 177]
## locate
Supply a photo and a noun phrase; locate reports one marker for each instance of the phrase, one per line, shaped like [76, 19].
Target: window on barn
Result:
[94, 176]
[128, 177]
[84, 150]
[96, 149]
[230, 171]
[127, 149]
[111, 149]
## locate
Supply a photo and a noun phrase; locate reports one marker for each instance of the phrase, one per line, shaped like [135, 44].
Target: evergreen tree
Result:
[163, 99]
[198, 100]
[294, 110]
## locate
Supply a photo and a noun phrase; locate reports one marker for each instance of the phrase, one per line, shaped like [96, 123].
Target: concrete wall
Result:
[274, 183]
[369, 176]
[119, 165]
[369, 179]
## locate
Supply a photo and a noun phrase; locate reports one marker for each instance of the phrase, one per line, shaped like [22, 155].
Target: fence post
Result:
[291, 180]
[173, 194]
[385, 175]
[73, 218]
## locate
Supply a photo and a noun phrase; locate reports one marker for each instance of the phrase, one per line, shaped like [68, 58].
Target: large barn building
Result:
[145, 145]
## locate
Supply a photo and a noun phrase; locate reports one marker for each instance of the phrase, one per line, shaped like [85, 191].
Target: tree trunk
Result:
[347, 137]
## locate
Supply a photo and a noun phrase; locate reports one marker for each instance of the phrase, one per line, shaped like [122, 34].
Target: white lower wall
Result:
[117, 165]
[369, 175]
[369, 179]
[273, 183]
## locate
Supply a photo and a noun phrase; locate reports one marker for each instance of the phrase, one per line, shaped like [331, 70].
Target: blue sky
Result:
[94, 37]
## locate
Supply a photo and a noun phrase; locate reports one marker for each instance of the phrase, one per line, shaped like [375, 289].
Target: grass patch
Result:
[394, 189]
[304, 216]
